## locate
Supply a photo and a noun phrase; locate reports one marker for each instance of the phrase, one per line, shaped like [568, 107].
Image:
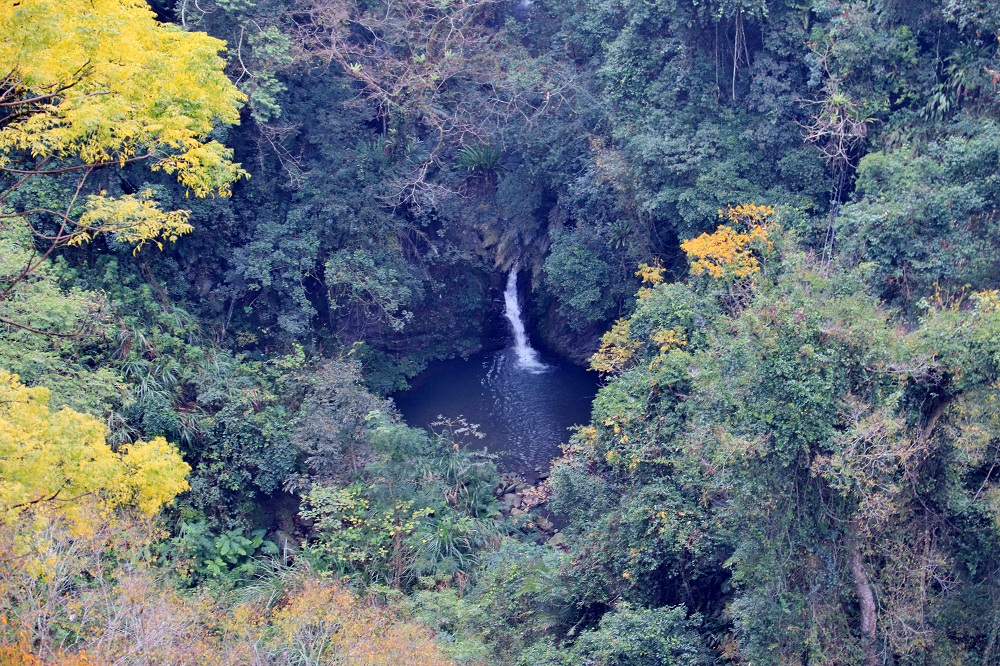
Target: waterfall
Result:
[527, 357]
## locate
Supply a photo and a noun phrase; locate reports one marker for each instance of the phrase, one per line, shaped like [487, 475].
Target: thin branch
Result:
[56, 241]
[79, 333]
[79, 167]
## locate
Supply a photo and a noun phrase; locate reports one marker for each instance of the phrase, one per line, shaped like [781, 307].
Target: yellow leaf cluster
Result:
[58, 460]
[132, 219]
[617, 349]
[667, 339]
[987, 301]
[20, 655]
[109, 81]
[747, 215]
[651, 275]
[729, 253]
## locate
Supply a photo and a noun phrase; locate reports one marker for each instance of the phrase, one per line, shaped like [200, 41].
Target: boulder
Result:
[511, 500]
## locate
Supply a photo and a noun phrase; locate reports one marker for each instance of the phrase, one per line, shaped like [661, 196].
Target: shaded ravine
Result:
[524, 401]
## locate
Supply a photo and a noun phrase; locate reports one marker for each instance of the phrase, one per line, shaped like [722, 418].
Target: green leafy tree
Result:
[924, 216]
[578, 274]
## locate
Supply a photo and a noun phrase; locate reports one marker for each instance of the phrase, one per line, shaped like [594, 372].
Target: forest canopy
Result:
[231, 231]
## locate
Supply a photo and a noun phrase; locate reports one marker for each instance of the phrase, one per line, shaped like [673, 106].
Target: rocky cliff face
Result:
[557, 337]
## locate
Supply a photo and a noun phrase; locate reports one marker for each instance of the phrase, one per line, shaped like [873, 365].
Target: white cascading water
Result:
[527, 357]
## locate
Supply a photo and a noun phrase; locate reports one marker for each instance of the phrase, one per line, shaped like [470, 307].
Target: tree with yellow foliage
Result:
[92, 84]
[70, 510]
[729, 252]
[60, 460]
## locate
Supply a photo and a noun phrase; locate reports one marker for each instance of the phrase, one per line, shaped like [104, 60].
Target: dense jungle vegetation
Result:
[231, 229]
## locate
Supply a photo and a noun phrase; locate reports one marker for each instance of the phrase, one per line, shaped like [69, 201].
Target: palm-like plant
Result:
[482, 161]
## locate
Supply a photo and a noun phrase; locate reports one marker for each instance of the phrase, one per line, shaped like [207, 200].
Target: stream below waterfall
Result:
[521, 399]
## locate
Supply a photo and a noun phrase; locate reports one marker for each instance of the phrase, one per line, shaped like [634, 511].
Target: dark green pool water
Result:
[526, 414]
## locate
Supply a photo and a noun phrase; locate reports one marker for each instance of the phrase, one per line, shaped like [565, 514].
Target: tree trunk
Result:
[866, 598]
